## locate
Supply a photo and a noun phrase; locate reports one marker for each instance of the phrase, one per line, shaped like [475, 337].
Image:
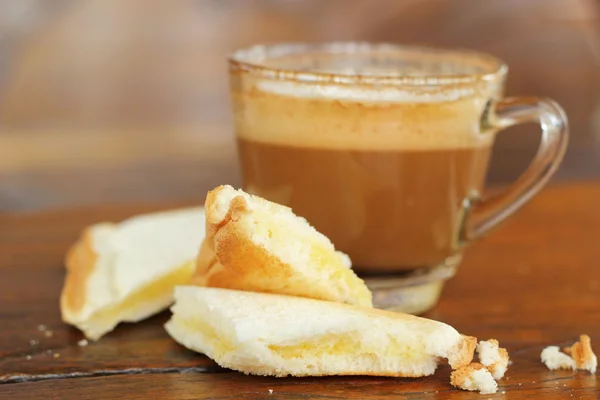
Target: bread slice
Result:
[269, 334]
[127, 271]
[256, 245]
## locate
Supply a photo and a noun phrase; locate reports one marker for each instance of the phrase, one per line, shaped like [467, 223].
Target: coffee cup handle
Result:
[481, 216]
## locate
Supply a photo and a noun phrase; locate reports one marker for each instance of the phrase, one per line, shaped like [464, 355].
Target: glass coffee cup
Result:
[384, 149]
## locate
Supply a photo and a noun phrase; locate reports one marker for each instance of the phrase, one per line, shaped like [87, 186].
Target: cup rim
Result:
[252, 60]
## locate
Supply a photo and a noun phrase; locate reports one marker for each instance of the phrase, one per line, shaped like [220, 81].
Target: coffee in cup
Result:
[383, 148]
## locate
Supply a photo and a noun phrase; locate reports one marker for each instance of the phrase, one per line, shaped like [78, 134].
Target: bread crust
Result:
[461, 378]
[464, 352]
[80, 262]
[583, 354]
[91, 298]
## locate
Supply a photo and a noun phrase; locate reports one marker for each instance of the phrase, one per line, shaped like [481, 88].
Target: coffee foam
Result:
[337, 117]
[339, 92]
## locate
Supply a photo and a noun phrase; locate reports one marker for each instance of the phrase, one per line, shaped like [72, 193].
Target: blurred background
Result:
[108, 101]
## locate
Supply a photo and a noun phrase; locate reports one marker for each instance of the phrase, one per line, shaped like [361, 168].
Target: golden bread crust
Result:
[470, 378]
[80, 263]
[248, 266]
[581, 352]
[204, 264]
[464, 352]
[459, 377]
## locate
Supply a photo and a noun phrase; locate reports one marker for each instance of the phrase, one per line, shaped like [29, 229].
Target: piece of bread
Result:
[255, 245]
[582, 354]
[554, 359]
[493, 357]
[127, 271]
[474, 377]
[269, 334]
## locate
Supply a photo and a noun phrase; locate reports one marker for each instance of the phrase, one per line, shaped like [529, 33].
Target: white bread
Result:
[583, 355]
[268, 334]
[493, 357]
[554, 359]
[474, 377]
[127, 271]
[578, 356]
[256, 245]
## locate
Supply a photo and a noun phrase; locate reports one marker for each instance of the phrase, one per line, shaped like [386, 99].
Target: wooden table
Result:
[532, 283]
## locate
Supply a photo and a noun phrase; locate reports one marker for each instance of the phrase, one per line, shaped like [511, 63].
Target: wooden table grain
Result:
[534, 282]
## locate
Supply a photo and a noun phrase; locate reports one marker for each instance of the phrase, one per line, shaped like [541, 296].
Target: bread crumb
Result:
[503, 392]
[48, 333]
[41, 327]
[270, 391]
[28, 357]
[554, 359]
[493, 357]
[34, 342]
[56, 355]
[82, 343]
[474, 377]
[582, 354]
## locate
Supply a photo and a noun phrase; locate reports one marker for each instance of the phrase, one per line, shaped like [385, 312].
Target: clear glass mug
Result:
[384, 149]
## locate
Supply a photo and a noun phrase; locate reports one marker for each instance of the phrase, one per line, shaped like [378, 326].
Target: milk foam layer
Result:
[363, 96]
[338, 117]
[342, 92]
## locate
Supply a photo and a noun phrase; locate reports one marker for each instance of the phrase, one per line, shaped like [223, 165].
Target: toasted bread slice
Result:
[269, 334]
[256, 245]
[127, 271]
